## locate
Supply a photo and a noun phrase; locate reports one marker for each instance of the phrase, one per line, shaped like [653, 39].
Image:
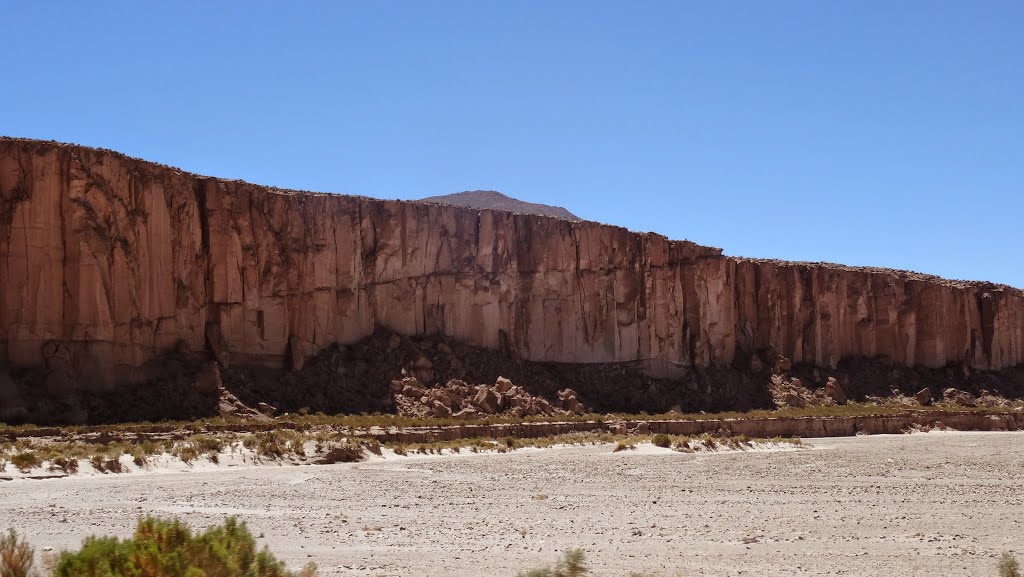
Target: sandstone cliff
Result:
[107, 262]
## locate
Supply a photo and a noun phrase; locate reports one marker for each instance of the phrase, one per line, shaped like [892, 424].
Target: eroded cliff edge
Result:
[108, 262]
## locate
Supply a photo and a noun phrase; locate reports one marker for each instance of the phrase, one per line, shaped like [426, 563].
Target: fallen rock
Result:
[923, 397]
[487, 400]
[502, 385]
[460, 400]
[958, 397]
[835, 391]
[782, 365]
[228, 405]
[567, 400]
[793, 400]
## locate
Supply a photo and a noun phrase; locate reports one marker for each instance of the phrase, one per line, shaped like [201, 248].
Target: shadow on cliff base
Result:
[356, 378]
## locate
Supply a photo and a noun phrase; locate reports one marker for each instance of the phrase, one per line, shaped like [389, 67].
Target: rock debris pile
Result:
[459, 400]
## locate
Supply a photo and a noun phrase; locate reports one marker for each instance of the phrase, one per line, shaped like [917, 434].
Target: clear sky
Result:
[862, 132]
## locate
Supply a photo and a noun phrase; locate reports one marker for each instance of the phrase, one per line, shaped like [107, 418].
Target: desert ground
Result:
[940, 503]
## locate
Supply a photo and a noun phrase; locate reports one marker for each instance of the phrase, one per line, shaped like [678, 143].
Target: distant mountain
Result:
[489, 199]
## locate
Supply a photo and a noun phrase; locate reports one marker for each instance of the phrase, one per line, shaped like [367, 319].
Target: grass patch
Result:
[663, 441]
[385, 421]
[347, 453]
[16, 556]
[571, 564]
[66, 466]
[276, 444]
[106, 465]
[25, 461]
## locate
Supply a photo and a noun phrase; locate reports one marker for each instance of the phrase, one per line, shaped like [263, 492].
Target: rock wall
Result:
[107, 262]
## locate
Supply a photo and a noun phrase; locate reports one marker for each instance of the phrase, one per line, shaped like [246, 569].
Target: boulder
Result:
[923, 397]
[835, 391]
[958, 397]
[503, 385]
[407, 384]
[965, 400]
[487, 400]
[440, 410]
[793, 400]
[467, 413]
[782, 365]
[568, 401]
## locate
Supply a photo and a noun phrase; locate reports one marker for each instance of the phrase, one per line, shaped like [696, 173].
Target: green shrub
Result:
[15, 556]
[168, 548]
[1008, 566]
[663, 441]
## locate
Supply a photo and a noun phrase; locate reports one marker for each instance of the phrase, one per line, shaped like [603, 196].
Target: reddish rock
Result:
[503, 385]
[568, 401]
[793, 400]
[923, 397]
[783, 365]
[487, 400]
[835, 391]
[208, 382]
[118, 261]
[962, 398]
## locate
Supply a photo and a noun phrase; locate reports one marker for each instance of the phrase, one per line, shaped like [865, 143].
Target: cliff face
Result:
[107, 262]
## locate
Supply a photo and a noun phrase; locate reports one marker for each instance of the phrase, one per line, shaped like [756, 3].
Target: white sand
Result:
[925, 504]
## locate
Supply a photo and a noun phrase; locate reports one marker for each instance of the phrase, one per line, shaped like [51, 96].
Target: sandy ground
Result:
[924, 504]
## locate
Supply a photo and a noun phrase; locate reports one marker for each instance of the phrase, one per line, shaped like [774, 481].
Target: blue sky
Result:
[867, 133]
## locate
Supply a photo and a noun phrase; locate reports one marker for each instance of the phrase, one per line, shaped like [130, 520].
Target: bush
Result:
[65, 465]
[187, 453]
[1008, 566]
[276, 444]
[570, 565]
[15, 556]
[347, 453]
[663, 441]
[26, 461]
[168, 548]
[104, 465]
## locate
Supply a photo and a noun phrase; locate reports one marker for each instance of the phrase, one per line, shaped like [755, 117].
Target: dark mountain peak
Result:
[494, 200]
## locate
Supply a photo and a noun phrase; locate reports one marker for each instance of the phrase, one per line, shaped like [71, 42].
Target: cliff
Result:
[107, 262]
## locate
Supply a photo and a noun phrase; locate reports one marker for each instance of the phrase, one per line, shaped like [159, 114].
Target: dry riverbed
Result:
[923, 504]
